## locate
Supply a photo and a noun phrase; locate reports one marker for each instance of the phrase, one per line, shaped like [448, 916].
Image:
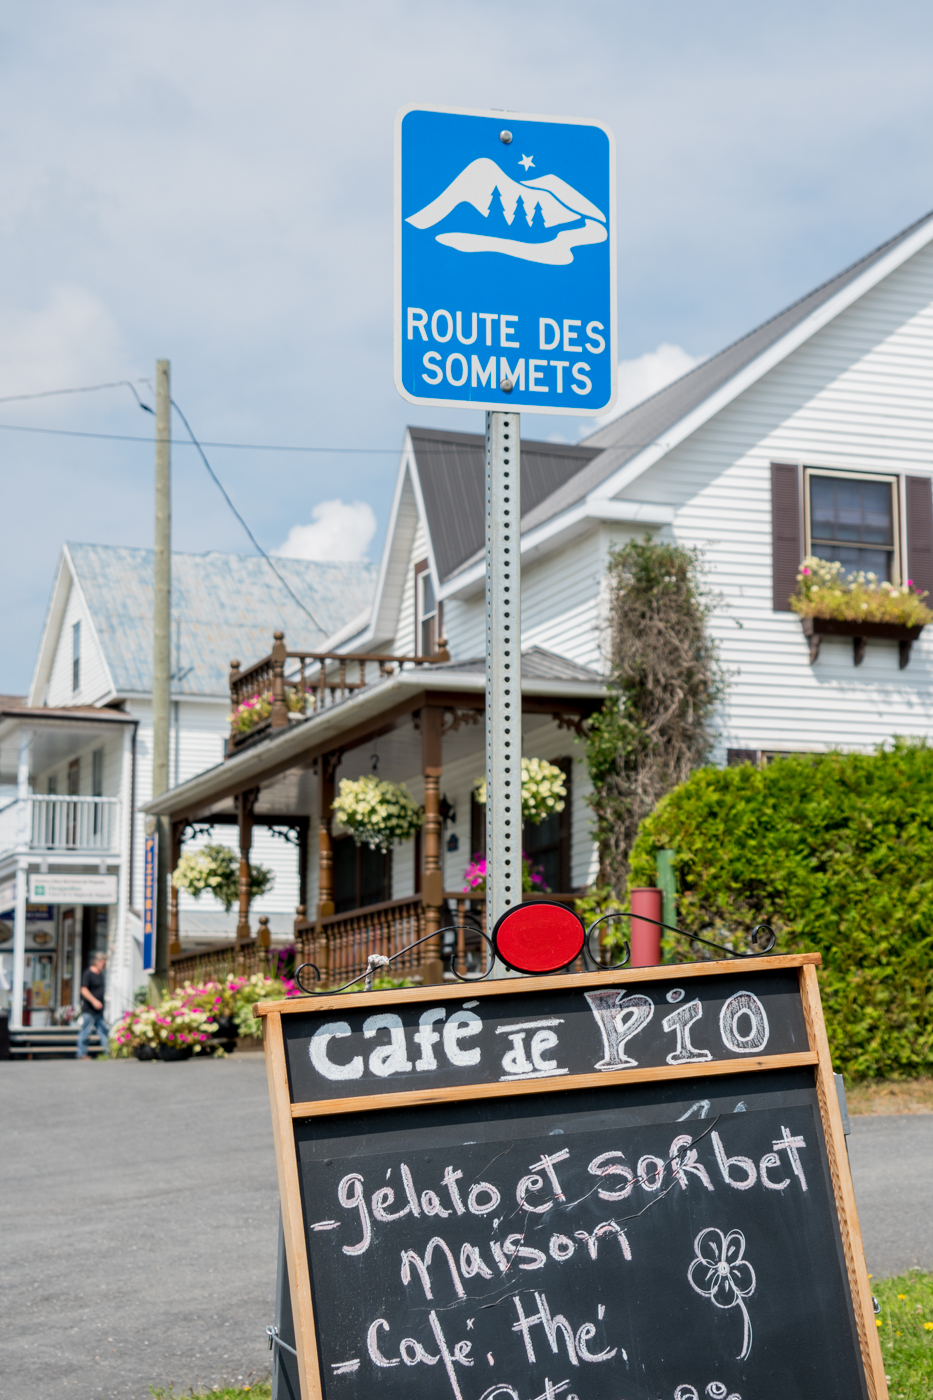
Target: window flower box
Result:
[816, 628]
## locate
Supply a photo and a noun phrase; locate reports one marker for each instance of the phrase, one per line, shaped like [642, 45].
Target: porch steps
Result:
[48, 1043]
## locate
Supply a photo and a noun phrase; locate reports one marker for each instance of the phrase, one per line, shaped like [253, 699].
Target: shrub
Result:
[834, 852]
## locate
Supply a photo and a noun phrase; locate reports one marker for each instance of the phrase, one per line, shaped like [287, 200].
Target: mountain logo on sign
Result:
[486, 211]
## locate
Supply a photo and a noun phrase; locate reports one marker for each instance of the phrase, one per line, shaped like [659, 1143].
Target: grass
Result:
[906, 1333]
[259, 1390]
[891, 1096]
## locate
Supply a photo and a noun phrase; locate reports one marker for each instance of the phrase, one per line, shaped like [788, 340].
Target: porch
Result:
[416, 720]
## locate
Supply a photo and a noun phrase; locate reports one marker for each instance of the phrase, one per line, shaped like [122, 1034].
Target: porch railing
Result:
[302, 683]
[50, 823]
[342, 945]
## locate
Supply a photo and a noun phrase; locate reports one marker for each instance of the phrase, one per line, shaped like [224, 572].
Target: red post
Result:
[646, 937]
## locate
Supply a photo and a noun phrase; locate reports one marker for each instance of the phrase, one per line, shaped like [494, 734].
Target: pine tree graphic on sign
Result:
[498, 223]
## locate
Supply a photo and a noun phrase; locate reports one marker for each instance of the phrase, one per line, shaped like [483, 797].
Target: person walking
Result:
[92, 998]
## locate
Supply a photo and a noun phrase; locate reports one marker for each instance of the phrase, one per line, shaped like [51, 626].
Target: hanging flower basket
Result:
[544, 790]
[216, 869]
[377, 812]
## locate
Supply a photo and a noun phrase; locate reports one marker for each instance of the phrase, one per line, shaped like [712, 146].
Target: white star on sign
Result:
[526, 161]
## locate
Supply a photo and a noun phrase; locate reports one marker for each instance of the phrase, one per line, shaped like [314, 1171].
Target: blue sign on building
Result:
[150, 897]
[504, 261]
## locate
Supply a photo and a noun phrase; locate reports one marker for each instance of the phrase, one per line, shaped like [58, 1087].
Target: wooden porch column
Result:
[279, 715]
[174, 943]
[432, 880]
[327, 766]
[245, 802]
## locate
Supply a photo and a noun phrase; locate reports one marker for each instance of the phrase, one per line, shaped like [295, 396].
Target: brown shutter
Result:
[919, 511]
[786, 533]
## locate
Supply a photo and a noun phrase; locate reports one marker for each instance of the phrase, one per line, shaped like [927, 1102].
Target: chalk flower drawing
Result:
[720, 1273]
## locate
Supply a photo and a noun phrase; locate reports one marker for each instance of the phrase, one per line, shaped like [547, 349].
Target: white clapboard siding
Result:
[94, 679]
[404, 642]
[858, 395]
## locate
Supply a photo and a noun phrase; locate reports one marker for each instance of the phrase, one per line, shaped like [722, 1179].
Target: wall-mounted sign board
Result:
[73, 889]
[626, 1186]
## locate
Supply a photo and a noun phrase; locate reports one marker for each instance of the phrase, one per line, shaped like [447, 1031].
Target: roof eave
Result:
[560, 530]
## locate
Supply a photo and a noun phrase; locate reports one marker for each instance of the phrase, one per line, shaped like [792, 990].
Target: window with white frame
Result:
[851, 518]
[76, 656]
[426, 630]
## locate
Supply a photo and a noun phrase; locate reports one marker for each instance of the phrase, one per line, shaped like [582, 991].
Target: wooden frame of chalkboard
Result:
[610, 1060]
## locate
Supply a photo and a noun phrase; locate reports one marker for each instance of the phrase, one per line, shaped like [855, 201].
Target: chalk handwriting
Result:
[680, 1022]
[619, 1018]
[743, 1024]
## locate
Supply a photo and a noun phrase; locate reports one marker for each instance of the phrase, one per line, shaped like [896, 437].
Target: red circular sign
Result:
[538, 937]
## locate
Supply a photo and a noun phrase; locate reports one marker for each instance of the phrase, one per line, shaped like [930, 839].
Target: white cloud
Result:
[340, 530]
[644, 376]
[72, 339]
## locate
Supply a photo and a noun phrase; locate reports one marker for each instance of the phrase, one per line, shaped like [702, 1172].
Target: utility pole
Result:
[161, 645]
[503, 669]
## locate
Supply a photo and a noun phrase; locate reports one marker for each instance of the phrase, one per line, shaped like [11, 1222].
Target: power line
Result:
[181, 442]
[84, 389]
[217, 482]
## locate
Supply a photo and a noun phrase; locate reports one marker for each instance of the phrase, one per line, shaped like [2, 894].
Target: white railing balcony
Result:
[73, 824]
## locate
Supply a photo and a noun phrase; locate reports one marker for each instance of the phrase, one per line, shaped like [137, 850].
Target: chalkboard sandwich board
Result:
[609, 1186]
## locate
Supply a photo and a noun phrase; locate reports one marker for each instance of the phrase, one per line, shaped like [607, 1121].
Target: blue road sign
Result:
[504, 261]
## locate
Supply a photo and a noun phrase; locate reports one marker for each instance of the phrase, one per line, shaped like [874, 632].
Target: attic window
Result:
[76, 656]
[426, 611]
[851, 520]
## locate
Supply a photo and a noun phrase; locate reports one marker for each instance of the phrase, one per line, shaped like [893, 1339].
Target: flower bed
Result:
[825, 590]
[189, 1017]
[544, 790]
[377, 812]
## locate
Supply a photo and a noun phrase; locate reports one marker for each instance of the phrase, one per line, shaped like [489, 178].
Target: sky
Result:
[212, 183]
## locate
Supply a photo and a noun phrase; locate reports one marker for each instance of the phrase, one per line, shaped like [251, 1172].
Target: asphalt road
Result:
[138, 1229]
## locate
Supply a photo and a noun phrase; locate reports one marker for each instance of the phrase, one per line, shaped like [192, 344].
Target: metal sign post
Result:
[503, 666]
[504, 301]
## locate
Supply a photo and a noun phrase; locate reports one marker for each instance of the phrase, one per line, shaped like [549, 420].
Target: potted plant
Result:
[377, 812]
[831, 602]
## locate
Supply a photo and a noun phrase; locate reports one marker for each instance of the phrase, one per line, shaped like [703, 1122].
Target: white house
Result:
[76, 759]
[813, 433]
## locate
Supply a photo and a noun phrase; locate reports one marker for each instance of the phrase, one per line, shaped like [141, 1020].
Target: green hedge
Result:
[835, 851]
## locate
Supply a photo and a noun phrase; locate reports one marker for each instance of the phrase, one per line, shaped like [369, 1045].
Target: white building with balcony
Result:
[65, 852]
[76, 758]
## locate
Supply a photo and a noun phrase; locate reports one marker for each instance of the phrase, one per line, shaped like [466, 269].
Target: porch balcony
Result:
[296, 685]
[57, 825]
[413, 720]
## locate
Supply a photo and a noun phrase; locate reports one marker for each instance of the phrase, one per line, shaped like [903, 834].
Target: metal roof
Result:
[223, 606]
[538, 664]
[451, 470]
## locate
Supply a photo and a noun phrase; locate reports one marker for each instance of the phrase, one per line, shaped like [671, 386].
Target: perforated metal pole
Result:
[503, 667]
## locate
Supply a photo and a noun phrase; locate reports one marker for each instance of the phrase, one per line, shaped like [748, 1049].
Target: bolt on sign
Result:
[504, 261]
[610, 1186]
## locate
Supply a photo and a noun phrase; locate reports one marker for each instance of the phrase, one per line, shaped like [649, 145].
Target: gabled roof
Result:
[625, 437]
[452, 474]
[223, 606]
[557, 479]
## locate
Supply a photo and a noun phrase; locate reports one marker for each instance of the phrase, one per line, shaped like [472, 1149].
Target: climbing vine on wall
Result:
[657, 723]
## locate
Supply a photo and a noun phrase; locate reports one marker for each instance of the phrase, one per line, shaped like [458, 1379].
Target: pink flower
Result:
[804, 571]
